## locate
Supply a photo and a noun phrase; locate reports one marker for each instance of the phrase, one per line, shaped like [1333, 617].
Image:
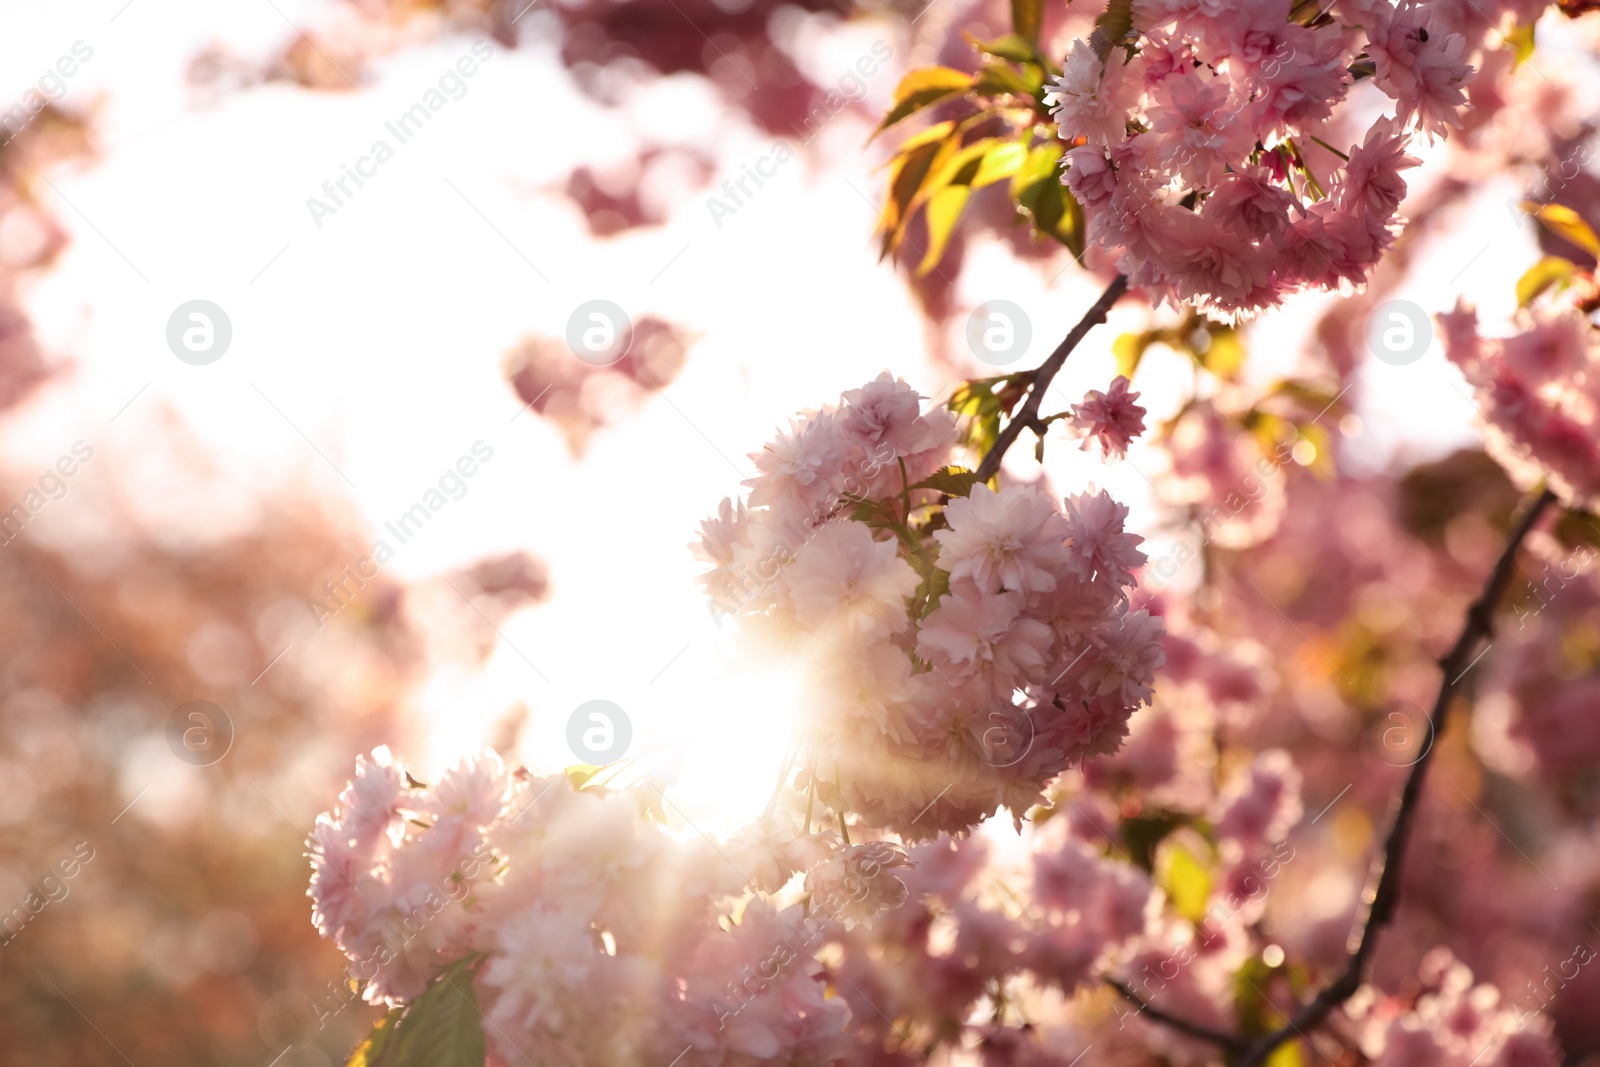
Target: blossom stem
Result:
[1039, 379]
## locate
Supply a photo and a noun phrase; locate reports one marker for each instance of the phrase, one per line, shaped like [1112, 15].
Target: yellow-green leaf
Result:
[1011, 46]
[922, 88]
[1187, 882]
[944, 211]
[1287, 1054]
[1026, 17]
[1566, 224]
[1520, 41]
[996, 79]
[1129, 348]
[908, 171]
[368, 1052]
[1224, 355]
[999, 163]
[1551, 270]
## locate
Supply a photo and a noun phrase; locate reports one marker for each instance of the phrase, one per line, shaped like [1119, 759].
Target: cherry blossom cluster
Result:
[964, 645]
[595, 936]
[1539, 390]
[1192, 140]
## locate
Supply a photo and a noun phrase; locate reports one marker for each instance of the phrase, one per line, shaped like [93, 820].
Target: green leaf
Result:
[1566, 224]
[1187, 883]
[951, 481]
[934, 586]
[1551, 270]
[923, 88]
[369, 1051]
[918, 158]
[995, 79]
[1225, 353]
[1129, 348]
[1026, 17]
[1042, 199]
[1012, 46]
[1577, 529]
[440, 1028]
[1113, 26]
[944, 211]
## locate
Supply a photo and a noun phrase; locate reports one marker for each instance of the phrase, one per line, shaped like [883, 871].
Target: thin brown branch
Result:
[1039, 379]
[1183, 1026]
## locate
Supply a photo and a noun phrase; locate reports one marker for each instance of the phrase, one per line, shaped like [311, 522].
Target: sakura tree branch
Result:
[1387, 867]
[1040, 377]
[1383, 880]
[1230, 1042]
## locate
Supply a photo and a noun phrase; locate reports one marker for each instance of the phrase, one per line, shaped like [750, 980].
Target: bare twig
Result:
[1183, 1026]
[1039, 378]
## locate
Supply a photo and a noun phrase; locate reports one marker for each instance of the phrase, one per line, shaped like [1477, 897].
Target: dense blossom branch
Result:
[1039, 379]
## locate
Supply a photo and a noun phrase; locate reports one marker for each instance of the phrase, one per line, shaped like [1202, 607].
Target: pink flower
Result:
[974, 633]
[1422, 71]
[885, 418]
[1093, 99]
[800, 467]
[1264, 802]
[1009, 540]
[1111, 419]
[1097, 545]
[843, 578]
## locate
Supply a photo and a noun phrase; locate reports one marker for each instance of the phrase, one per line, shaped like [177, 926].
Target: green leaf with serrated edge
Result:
[1026, 18]
[1566, 224]
[440, 1028]
[932, 589]
[923, 88]
[1187, 883]
[1549, 271]
[951, 481]
[368, 1053]
[944, 211]
[1113, 25]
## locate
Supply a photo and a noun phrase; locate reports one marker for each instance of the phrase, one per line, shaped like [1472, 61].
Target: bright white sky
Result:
[381, 335]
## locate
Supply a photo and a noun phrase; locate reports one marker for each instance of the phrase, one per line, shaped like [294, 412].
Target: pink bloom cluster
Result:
[1191, 137]
[598, 938]
[1455, 1022]
[1111, 419]
[1539, 390]
[963, 649]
